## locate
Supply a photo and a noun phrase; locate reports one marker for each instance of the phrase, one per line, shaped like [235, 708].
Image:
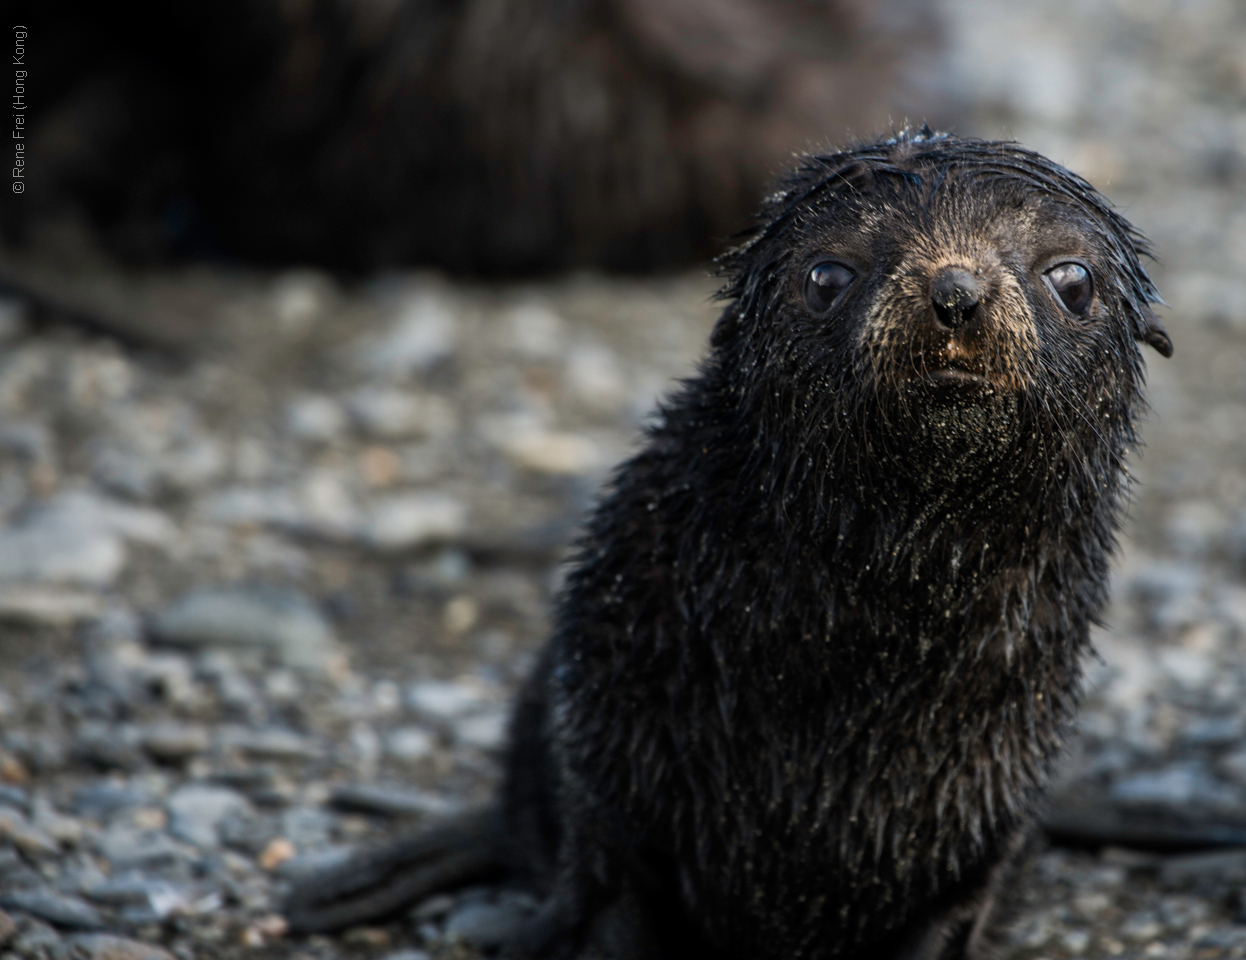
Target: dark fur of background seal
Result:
[822, 643]
[492, 136]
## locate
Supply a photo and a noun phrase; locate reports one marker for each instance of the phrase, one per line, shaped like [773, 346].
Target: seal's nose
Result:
[955, 293]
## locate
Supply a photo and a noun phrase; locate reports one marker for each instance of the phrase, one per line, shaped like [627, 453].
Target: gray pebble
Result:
[315, 417]
[284, 623]
[37, 941]
[318, 861]
[422, 335]
[196, 811]
[27, 837]
[487, 925]
[1176, 786]
[271, 744]
[174, 742]
[407, 955]
[67, 913]
[391, 801]
[103, 798]
[409, 520]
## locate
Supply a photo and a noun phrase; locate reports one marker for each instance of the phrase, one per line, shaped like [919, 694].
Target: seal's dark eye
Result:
[1073, 286]
[826, 282]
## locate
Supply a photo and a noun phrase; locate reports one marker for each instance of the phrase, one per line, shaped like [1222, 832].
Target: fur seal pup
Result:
[822, 642]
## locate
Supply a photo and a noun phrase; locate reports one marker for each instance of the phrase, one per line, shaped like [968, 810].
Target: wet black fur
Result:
[823, 639]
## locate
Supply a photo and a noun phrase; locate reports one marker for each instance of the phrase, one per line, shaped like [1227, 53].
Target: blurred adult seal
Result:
[823, 640]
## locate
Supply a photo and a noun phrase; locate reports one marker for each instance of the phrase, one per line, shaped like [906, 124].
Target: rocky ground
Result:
[267, 586]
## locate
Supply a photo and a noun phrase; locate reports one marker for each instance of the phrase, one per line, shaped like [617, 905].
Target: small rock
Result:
[105, 946]
[445, 700]
[316, 418]
[395, 414]
[174, 742]
[196, 812]
[407, 955]
[278, 851]
[1196, 528]
[307, 827]
[484, 732]
[1214, 731]
[34, 604]
[283, 622]
[24, 835]
[487, 926]
[38, 941]
[317, 861]
[62, 829]
[422, 336]
[536, 331]
[1188, 668]
[595, 378]
[67, 913]
[391, 801]
[127, 848]
[1176, 786]
[409, 743]
[8, 928]
[270, 743]
[409, 520]
[101, 799]
[552, 452]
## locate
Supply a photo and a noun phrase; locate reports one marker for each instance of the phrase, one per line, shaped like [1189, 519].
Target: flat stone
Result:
[405, 521]
[174, 742]
[314, 862]
[53, 606]
[103, 798]
[77, 537]
[1177, 786]
[422, 335]
[196, 812]
[486, 731]
[104, 946]
[487, 926]
[284, 623]
[391, 801]
[409, 743]
[445, 700]
[397, 414]
[315, 417]
[271, 744]
[129, 848]
[66, 913]
[24, 835]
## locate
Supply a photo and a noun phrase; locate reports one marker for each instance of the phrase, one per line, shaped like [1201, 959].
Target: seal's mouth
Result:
[952, 376]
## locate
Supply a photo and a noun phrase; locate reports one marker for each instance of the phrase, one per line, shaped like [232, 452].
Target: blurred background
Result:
[321, 324]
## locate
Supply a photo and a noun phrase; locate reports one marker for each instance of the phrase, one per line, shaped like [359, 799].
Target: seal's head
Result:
[935, 295]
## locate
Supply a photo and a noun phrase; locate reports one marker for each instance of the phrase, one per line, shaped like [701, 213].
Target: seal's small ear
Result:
[1153, 332]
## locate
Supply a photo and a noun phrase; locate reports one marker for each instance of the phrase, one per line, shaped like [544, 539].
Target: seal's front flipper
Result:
[380, 882]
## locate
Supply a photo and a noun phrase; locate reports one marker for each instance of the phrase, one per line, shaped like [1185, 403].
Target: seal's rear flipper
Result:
[382, 881]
